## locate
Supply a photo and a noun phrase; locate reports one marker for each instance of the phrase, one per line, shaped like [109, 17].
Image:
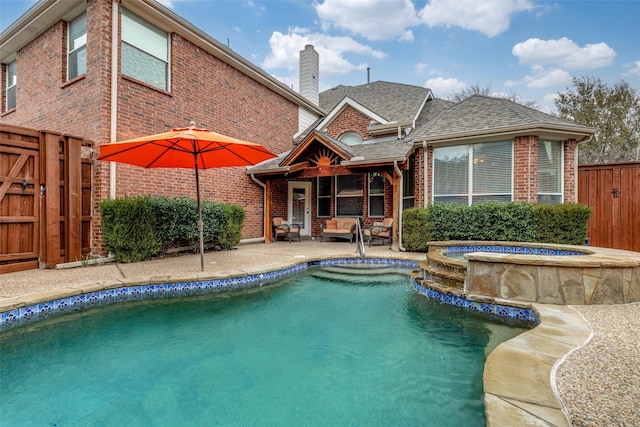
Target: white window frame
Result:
[560, 172]
[11, 83]
[139, 45]
[407, 175]
[369, 175]
[470, 193]
[351, 138]
[71, 51]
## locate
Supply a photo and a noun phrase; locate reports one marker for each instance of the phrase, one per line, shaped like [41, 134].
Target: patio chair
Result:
[379, 231]
[284, 230]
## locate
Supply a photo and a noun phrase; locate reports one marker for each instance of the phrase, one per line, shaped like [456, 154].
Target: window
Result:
[492, 170]
[376, 194]
[324, 196]
[145, 51]
[473, 173]
[408, 185]
[77, 47]
[451, 174]
[349, 195]
[351, 138]
[550, 172]
[11, 86]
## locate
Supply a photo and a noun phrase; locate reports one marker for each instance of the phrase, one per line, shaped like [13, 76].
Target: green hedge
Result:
[137, 228]
[562, 223]
[495, 221]
[129, 228]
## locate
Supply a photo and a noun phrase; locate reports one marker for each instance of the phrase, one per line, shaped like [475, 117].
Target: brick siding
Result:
[203, 88]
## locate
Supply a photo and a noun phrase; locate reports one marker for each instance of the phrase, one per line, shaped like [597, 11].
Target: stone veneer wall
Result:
[545, 280]
[593, 276]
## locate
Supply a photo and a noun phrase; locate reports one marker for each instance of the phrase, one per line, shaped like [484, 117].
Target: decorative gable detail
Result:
[324, 157]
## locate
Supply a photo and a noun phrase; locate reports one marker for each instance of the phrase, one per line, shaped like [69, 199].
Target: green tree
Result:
[614, 111]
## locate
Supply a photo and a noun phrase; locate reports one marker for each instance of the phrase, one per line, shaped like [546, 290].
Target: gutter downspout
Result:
[399, 172]
[425, 169]
[264, 204]
[114, 92]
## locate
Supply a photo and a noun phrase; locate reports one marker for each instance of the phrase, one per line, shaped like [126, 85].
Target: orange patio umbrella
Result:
[189, 148]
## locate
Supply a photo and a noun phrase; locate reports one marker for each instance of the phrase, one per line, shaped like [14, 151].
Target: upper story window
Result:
[550, 172]
[473, 173]
[11, 86]
[77, 47]
[145, 51]
[376, 194]
[351, 138]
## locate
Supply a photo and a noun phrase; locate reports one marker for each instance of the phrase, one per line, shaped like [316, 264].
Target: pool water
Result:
[306, 351]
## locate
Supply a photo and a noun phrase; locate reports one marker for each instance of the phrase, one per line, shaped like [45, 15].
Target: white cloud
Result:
[489, 17]
[285, 50]
[372, 19]
[548, 78]
[167, 3]
[635, 69]
[442, 87]
[563, 52]
[550, 97]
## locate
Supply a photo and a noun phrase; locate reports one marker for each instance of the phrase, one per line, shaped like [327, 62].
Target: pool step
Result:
[450, 274]
[361, 274]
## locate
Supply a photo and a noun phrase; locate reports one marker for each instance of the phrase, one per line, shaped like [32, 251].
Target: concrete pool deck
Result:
[586, 355]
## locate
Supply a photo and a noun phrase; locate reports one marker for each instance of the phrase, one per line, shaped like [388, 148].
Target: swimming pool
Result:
[312, 349]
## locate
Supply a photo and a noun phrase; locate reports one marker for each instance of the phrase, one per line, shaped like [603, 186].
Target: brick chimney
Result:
[309, 70]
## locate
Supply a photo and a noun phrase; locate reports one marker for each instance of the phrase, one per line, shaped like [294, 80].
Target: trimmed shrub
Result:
[175, 224]
[230, 236]
[495, 221]
[129, 228]
[565, 224]
[415, 232]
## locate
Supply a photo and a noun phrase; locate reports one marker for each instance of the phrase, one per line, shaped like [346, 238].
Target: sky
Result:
[530, 49]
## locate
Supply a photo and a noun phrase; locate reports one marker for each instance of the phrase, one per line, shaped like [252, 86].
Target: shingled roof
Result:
[393, 101]
[479, 115]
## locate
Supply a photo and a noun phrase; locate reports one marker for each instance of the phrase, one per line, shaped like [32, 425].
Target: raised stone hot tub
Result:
[531, 272]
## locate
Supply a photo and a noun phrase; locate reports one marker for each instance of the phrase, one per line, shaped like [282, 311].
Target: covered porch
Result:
[323, 178]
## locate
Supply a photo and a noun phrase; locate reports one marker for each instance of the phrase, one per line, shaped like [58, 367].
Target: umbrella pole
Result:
[200, 223]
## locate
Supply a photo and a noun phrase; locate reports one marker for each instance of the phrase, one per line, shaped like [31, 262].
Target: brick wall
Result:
[570, 171]
[203, 88]
[525, 169]
[349, 120]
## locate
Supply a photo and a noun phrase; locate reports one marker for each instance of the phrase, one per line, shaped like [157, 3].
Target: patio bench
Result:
[338, 227]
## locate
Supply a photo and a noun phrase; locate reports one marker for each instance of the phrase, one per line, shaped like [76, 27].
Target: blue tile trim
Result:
[516, 250]
[495, 309]
[41, 311]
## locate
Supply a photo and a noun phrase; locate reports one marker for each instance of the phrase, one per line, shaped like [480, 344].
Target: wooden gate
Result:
[19, 200]
[45, 199]
[612, 191]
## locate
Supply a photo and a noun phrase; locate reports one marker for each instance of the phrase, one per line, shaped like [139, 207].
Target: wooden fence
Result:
[613, 193]
[45, 198]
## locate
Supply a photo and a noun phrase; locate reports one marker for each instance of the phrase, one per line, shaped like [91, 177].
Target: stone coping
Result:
[519, 374]
[13, 303]
[592, 257]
